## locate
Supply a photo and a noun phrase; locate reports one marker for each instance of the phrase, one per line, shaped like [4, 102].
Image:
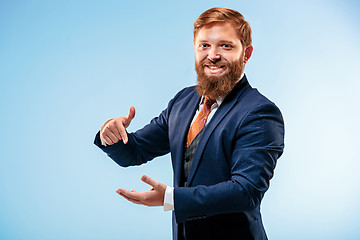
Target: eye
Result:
[226, 46]
[204, 45]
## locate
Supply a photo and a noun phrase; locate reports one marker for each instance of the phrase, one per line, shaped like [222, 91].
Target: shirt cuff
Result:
[169, 199]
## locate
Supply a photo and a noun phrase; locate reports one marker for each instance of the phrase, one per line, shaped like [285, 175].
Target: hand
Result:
[153, 197]
[113, 130]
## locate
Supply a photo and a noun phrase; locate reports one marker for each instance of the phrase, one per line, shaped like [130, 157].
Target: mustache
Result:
[219, 63]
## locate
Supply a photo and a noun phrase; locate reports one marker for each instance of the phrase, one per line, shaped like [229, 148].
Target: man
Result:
[224, 138]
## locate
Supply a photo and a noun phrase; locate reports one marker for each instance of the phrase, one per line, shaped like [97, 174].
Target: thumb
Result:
[131, 114]
[150, 181]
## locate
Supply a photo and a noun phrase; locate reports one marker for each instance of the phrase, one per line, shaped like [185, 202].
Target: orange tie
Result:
[200, 121]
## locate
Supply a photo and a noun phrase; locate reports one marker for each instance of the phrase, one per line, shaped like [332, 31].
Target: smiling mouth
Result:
[214, 68]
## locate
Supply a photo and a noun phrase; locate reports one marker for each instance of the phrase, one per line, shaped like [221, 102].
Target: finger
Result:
[132, 200]
[111, 127]
[131, 114]
[150, 181]
[120, 128]
[102, 127]
[132, 195]
[124, 123]
[123, 133]
[103, 142]
[129, 199]
[106, 134]
[112, 136]
[107, 140]
[129, 117]
[116, 130]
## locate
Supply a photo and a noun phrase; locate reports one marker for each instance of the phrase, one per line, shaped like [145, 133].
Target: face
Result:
[219, 59]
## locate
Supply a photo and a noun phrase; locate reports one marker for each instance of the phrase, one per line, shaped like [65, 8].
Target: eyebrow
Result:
[221, 41]
[229, 42]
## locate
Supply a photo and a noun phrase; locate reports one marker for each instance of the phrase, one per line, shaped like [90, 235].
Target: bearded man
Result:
[223, 135]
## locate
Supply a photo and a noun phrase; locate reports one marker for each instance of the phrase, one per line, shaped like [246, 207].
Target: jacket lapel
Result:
[183, 125]
[222, 111]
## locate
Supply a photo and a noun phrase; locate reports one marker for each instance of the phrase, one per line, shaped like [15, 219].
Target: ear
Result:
[248, 52]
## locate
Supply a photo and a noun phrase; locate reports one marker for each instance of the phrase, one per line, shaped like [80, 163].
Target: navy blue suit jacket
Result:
[232, 166]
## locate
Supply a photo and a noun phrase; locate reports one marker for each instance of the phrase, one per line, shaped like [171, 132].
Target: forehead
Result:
[217, 31]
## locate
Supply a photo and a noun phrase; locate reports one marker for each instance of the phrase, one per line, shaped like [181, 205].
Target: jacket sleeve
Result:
[143, 145]
[259, 143]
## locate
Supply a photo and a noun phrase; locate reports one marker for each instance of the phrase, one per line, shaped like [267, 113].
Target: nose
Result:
[213, 55]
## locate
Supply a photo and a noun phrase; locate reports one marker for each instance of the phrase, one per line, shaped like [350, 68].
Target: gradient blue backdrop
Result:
[67, 66]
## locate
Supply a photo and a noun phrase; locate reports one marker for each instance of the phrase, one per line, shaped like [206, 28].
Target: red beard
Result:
[215, 87]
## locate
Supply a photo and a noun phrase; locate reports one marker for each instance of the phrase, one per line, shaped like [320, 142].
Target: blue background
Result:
[67, 66]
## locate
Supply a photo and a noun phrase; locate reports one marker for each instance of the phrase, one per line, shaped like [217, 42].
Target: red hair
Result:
[225, 15]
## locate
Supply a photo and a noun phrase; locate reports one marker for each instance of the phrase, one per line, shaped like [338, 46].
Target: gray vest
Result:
[189, 156]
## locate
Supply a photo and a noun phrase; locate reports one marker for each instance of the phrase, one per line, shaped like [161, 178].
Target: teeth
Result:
[213, 67]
